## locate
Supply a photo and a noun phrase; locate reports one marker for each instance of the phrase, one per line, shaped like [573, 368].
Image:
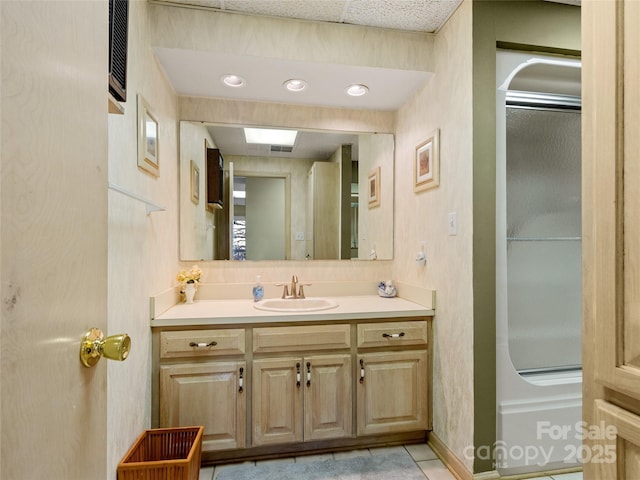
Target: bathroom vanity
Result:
[265, 383]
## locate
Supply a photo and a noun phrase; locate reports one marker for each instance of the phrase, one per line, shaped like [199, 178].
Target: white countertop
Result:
[219, 312]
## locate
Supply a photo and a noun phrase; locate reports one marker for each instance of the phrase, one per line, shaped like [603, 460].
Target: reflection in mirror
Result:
[309, 200]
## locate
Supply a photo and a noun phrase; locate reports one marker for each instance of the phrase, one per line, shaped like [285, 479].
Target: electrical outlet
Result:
[452, 223]
[299, 235]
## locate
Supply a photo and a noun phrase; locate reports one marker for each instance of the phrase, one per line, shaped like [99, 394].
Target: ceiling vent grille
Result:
[281, 148]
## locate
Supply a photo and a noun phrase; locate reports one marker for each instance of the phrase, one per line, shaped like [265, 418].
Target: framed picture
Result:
[148, 159]
[373, 191]
[426, 169]
[195, 183]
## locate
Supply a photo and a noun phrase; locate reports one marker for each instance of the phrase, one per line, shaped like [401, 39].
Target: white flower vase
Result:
[189, 292]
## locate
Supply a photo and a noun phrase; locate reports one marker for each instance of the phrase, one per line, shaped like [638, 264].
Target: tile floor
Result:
[428, 462]
[422, 454]
[564, 476]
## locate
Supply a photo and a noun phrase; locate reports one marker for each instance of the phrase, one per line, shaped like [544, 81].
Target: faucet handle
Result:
[301, 289]
[285, 292]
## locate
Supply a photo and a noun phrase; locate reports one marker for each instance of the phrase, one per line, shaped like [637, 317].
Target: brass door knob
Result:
[94, 346]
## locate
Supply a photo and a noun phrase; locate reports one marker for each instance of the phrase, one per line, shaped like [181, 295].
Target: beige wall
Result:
[444, 103]
[375, 224]
[196, 221]
[272, 37]
[143, 249]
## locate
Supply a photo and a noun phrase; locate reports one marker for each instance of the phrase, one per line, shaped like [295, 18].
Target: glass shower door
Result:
[543, 177]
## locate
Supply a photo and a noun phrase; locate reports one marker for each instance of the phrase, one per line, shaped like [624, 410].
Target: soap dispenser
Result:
[258, 289]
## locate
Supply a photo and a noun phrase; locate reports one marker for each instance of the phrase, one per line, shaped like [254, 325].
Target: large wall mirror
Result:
[324, 195]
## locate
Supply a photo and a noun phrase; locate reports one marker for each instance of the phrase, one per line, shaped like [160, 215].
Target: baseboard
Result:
[266, 452]
[451, 461]
[454, 464]
[492, 475]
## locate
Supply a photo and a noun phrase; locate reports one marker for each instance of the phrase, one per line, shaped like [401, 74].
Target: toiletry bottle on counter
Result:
[258, 289]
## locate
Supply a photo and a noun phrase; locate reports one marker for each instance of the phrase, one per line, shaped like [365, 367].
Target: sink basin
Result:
[295, 304]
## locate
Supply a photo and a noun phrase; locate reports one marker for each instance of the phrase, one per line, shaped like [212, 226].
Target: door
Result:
[207, 394]
[53, 238]
[277, 401]
[265, 214]
[392, 392]
[611, 218]
[327, 397]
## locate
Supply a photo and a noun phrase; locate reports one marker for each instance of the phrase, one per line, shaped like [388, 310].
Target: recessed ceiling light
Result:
[295, 85]
[270, 136]
[232, 80]
[357, 90]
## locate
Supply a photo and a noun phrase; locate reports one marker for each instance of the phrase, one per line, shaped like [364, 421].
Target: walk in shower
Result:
[538, 270]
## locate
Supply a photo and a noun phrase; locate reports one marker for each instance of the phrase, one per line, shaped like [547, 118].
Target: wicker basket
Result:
[164, 454]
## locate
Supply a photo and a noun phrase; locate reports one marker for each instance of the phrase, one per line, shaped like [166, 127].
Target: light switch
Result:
[299, 235]
[452, 223]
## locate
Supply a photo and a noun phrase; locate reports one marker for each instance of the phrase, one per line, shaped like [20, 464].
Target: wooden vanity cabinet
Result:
[393, 386]
[264, 390]
[392, 392]
[299, 399]
[204, 386]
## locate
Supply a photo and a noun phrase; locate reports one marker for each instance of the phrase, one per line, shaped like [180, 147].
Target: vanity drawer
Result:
[200, 343]
[296, 339]
[392, 333]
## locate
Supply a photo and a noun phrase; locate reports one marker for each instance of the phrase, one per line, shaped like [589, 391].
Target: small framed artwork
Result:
[426, 169]
[373, 191]
[148, 158]
[195, 183]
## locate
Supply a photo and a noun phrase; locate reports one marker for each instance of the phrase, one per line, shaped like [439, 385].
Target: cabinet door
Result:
[207, 394]
[327, 397]
[392, 392]
[277, 400]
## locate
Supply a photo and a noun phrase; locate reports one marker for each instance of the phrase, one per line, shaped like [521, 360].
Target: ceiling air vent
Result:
[281, 148]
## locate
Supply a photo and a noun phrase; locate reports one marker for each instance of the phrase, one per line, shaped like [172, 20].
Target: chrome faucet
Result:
[294, 286]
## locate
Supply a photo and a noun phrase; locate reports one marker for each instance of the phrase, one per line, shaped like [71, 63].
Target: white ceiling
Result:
[198, 73]
[415, 15]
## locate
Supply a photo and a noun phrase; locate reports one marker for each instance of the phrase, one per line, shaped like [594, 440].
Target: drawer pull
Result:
[212, 343]
[361, 371]
[241, 379]
[298, 375]
[393, 335]
[308, 374]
